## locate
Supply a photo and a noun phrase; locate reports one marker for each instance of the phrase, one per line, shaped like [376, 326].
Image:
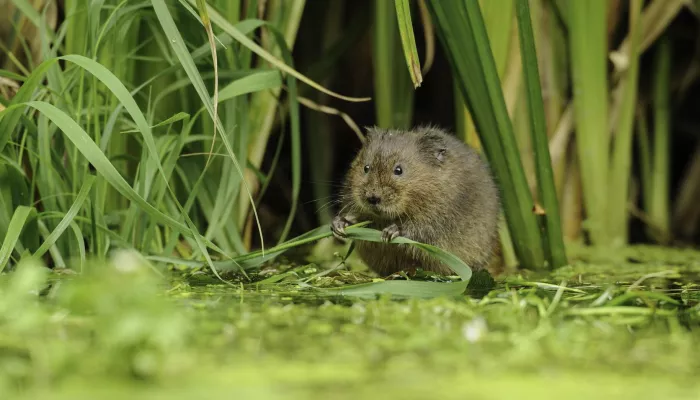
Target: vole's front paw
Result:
[338, 226]
[390, 233]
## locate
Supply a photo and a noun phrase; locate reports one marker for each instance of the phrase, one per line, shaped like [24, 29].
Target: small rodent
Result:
[426, 185]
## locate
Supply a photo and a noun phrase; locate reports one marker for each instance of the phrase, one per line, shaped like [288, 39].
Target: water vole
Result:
[426, 185]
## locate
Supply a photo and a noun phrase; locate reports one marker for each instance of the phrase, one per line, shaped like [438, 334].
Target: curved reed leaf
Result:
[10, 117]
[68, 218]
[249, 84]
[122, 94]
[14, 229]
[407, 288]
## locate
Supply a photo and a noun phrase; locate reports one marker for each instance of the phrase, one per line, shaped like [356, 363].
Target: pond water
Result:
[628, 329]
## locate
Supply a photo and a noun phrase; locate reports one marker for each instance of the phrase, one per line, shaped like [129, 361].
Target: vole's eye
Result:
[398, 170]
[366, 168]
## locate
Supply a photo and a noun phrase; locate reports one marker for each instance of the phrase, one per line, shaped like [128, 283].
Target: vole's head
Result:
[395, 171]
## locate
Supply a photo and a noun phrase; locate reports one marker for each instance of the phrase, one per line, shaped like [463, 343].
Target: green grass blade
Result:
[373, 235]
[296, 160]
[392, 83]
[204, 16]
[122, 93]
[407, 288]
[68, 218]
[255, 258]
[255, 82]
[618, 220]
[10, 118]
[14, 229]
[588, 47]
[659, 207]
[408, 41]
[463, 34]
[538, 131]
[498, 18]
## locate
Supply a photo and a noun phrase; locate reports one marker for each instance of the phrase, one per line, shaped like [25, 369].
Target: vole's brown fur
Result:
[443, 195]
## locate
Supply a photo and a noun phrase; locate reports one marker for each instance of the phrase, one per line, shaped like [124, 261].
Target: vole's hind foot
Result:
[338, 226]
[390, 233]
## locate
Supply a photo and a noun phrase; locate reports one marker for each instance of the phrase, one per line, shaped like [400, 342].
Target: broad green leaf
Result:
[588, 46]
[554, 243]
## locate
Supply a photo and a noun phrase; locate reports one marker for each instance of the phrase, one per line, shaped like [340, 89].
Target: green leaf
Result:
[588, 46]
[658, 204]
[255, 82]
[68, 218]
[11, 116]
[618, 221]
[19, 219]
[403, 15]
[407, 288]
[545, 177]
[394, 92]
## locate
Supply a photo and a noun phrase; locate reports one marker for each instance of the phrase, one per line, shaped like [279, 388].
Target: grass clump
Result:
[123, 329]
[111, 321]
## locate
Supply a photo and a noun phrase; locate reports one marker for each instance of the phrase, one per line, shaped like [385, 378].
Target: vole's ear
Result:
[433, 145]
[372, 133]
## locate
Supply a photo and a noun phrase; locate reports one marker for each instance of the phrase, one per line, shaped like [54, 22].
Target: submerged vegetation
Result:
[168, 170]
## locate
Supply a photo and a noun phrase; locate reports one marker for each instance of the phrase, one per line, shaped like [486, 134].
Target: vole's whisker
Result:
[327, 205]
[317, 200]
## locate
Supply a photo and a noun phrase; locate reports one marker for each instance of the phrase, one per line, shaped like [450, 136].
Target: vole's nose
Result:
[373, 200]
